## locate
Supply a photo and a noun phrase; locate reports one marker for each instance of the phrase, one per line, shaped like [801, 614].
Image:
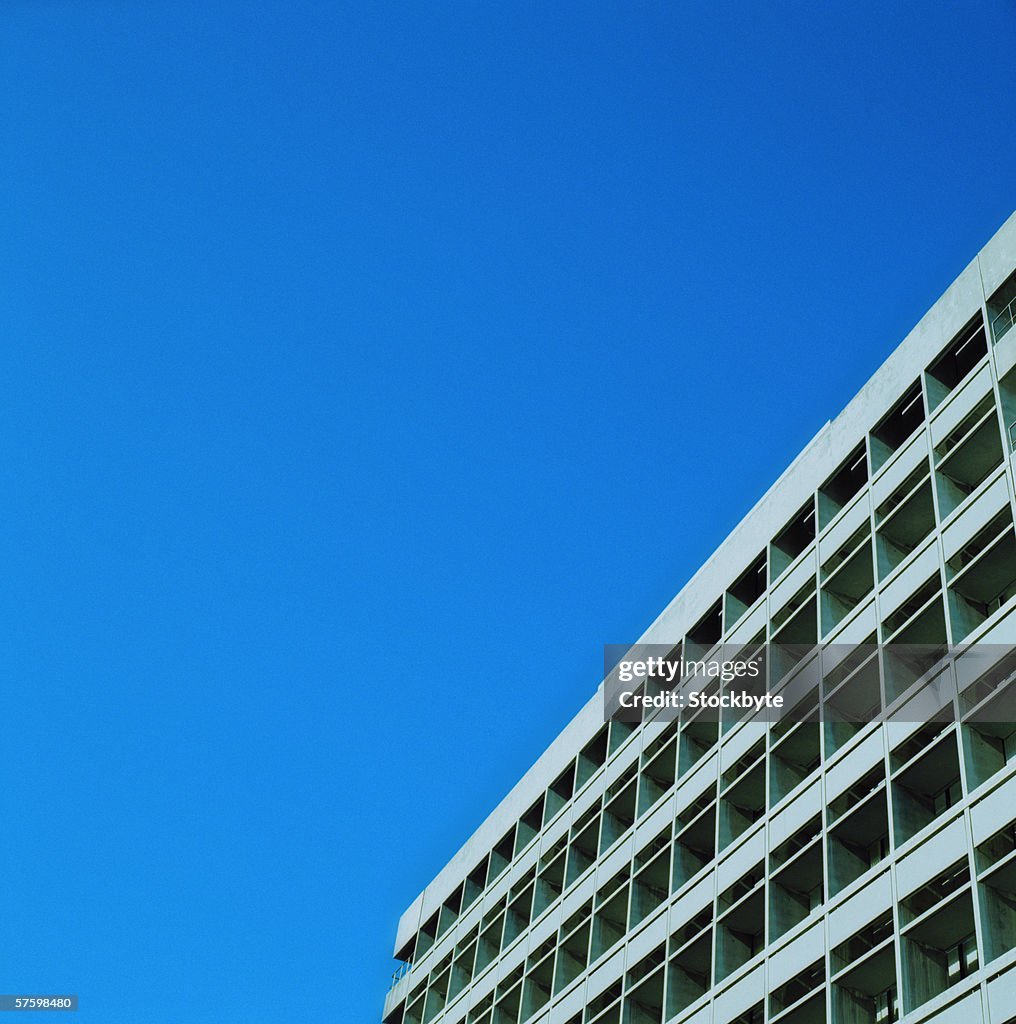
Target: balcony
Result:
[1002, 321]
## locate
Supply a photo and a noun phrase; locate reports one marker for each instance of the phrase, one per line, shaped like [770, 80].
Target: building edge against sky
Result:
[586, 851]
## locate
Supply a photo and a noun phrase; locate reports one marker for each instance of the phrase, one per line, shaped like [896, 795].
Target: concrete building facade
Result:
[838, 870]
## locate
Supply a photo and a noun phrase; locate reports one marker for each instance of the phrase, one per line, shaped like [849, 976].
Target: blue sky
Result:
[366, 368]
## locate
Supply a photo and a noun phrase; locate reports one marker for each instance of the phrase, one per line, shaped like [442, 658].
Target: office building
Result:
[853, 865]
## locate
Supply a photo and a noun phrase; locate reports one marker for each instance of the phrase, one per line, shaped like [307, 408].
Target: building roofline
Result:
[805, 474]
